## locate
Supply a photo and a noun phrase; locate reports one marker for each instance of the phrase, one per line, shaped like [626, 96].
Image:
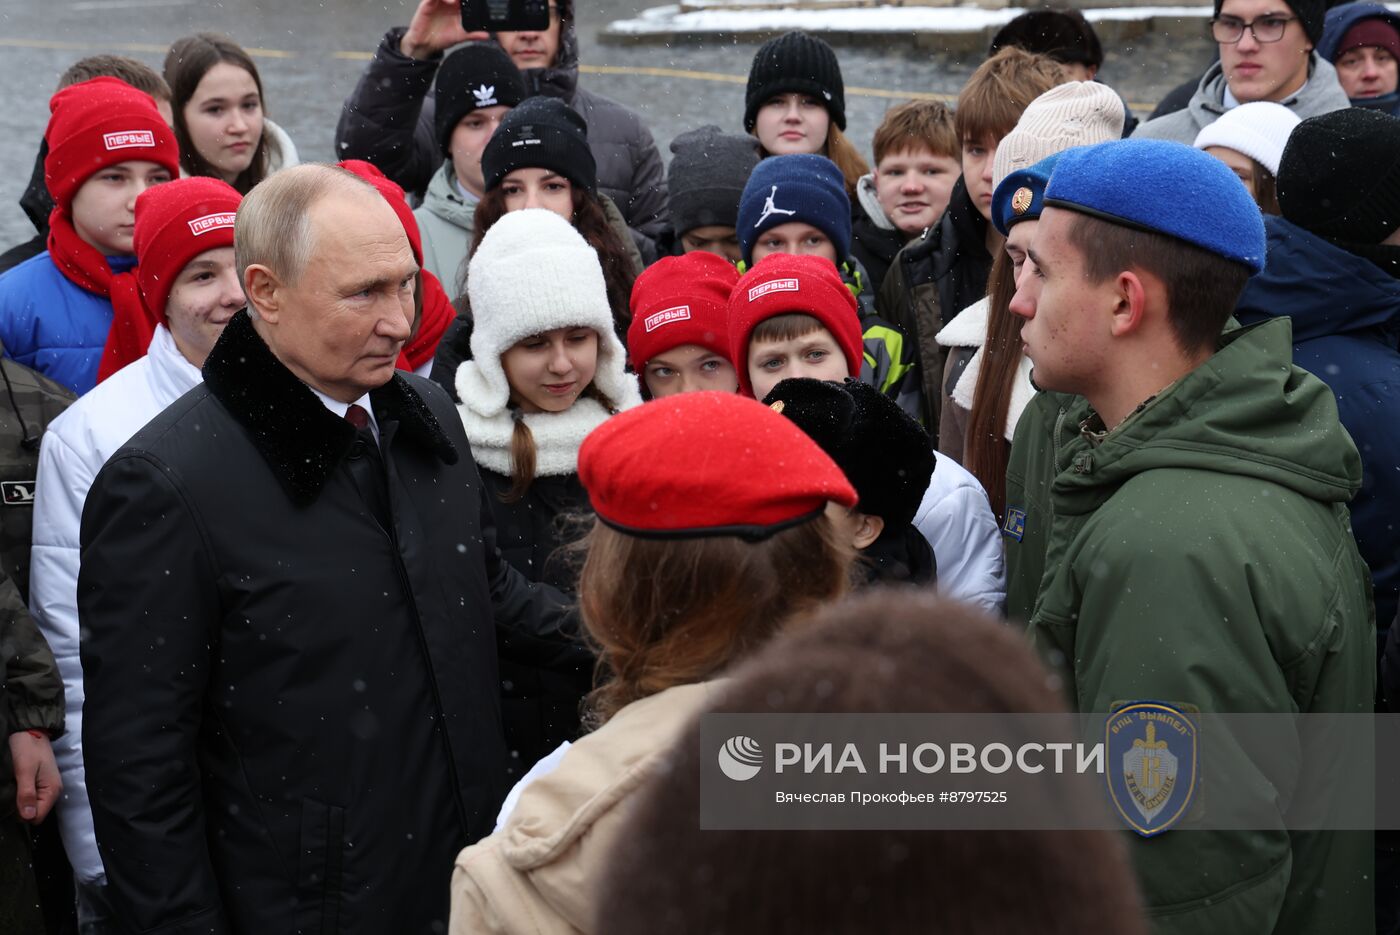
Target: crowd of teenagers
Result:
[375, 534]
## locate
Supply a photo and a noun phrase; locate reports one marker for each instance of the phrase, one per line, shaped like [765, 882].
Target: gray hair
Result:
[273, 227]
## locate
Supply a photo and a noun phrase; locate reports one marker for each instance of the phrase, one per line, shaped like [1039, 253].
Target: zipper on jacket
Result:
[1059, 426]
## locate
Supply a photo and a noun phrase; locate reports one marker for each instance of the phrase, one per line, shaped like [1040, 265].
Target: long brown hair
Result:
[662, 613]
[987, 449]
[186, 64]
[590, 219]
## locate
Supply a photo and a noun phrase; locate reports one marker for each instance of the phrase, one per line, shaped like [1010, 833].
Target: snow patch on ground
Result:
[670, 19]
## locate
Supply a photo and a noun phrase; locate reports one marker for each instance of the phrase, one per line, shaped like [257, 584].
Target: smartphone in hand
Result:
[505, 15]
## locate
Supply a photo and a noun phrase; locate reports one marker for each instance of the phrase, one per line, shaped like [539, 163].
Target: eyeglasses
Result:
[1228, 30]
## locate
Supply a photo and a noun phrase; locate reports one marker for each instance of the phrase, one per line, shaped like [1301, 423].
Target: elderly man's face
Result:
[342, 323]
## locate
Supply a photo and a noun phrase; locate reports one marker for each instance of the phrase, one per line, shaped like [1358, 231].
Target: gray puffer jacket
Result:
[445, 221]
[1321, 95]
[388, 120]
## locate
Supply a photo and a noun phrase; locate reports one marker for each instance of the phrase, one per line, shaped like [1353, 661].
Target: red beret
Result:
[681, 300]
[99, 123]
[783, 284]
[175, 222]
[707, 464]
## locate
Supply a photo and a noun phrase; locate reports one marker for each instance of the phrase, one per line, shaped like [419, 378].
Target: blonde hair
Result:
[273, 228]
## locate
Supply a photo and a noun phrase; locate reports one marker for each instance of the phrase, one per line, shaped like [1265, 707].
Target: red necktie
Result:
[357, 417]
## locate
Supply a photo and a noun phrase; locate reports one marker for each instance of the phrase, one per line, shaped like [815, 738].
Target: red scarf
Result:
[133, 327]
[437, 315]
[80, 261]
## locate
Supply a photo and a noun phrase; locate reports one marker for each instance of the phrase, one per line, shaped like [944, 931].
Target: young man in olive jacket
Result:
[1198, 549]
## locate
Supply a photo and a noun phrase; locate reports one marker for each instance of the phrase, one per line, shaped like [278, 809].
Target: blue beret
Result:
[1164, 188]
[792, 189]
[1021, 195]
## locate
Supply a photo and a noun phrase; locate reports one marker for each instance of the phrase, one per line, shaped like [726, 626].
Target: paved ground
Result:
[311, 53]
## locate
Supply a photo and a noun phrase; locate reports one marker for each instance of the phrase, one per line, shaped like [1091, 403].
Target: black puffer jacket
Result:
[930, 281]
[36, 203]
[542, 681]
[388, 120]
[292, 721]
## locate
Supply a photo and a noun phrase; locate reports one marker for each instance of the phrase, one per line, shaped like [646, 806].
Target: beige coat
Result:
[540, 873]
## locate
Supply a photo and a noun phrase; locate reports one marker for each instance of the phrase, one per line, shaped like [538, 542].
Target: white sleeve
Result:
[63, 481]
[956, 519]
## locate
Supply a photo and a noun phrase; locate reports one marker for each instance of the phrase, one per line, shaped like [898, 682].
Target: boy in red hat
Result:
[107, 144]
[678, 341]
[168, 312]
[792, 316]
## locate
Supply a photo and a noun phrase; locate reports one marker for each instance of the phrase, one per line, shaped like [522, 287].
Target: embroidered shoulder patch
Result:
[1015, 525]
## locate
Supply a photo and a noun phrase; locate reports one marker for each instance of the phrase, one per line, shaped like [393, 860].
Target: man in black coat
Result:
[289, 593]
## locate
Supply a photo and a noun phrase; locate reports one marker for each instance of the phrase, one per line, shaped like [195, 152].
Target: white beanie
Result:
[532, 273]
[1076, 113]
[1259, 130]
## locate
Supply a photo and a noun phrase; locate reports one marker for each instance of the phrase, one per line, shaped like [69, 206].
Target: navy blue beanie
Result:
[798, 188]
[1021, 195]
[1163, 188]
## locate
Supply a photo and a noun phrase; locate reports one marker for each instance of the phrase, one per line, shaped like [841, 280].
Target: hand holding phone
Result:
[436, 26]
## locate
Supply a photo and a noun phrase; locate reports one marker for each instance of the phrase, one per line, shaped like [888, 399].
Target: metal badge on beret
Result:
[1021, 201]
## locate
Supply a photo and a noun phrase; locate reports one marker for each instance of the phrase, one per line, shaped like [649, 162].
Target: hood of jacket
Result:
[442, 199]
[1245, 411]
[560, 79]
[1324, 289]
[869, 202]
[1341, 18]
[1322, 94]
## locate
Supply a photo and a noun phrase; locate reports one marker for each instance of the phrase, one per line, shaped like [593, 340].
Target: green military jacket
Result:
[1201, 554]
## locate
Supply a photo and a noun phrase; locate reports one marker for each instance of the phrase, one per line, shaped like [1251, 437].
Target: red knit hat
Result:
[437, 307]
[99, 123]
[1372, 31]
[707, 464]
[681, 300]
[175, 223]
[783, 284]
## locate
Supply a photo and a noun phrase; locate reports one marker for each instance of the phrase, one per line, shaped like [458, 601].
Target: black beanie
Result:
[476, 75]
[1312, 15]
[541, 133]
[1340, 176]
[884, 453]
[706, 177]
[795, 63]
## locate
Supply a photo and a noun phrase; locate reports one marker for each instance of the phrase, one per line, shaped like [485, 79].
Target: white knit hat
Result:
[1076, 113]
[1259, 130]
[534, 273]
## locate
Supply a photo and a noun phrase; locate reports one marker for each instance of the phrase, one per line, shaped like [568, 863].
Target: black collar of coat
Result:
[301, 440]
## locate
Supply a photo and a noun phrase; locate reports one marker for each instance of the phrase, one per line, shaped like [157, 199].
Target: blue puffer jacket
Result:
[1346, 331]
[1339, 20]
[51, 325]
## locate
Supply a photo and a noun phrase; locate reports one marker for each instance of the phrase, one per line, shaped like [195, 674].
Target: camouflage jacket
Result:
[31, 690]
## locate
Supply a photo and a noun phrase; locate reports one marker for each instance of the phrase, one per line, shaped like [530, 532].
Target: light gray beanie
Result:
[1076, 113]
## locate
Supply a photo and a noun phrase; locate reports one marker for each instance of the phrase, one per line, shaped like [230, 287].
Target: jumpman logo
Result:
[770, 208]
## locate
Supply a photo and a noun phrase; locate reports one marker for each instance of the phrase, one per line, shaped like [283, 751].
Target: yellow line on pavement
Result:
[624, 70]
